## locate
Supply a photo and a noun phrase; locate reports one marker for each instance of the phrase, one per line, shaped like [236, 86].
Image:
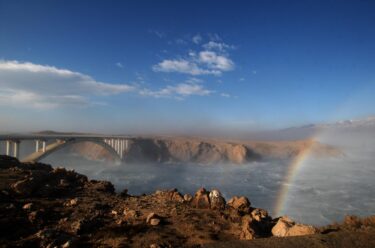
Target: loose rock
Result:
[240, 203]
[27, 206]
[188, 197]
[216, 200]
[153, 219]
[201, 199]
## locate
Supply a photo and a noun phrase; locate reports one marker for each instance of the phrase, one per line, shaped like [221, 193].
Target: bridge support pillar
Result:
[16, 149]
[121, 148]
[8, 143]
[44, 146]
[36, 145]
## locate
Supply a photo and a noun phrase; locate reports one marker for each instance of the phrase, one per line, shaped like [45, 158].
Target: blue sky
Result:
[184, 66]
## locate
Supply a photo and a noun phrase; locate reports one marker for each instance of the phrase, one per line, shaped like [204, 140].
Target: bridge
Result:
[47, 144]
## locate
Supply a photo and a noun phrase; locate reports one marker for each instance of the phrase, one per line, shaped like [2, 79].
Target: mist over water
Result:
[259, 181]
[327, 189]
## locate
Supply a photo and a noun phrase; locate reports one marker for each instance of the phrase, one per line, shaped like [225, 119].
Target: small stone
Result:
[72, 202]
[154, 222]
[153, 219]
[27, 206]
[67, 244]
[63, 183]
[151, 216]
[188, 197]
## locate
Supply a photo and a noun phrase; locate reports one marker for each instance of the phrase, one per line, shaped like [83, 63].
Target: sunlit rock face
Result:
[174, 151]
[91, 151]
[185, 150]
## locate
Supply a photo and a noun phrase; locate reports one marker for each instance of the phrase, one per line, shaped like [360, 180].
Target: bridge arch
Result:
[60, 144]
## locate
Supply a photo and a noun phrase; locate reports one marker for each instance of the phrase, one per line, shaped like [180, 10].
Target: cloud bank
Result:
[178, 91]
[44, 87]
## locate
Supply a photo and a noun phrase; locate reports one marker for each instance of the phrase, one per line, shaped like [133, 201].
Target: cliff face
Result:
[180, 150]
[159, 150]
[174, 151]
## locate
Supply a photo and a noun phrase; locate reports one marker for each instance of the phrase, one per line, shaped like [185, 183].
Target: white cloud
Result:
[119, 65]
[194, 80]
[197, 39]
[214, 37]
[220, 46]
[180, 41]
[215, 61]
[42, 86]
[183, 66]
[225, 95]
[28, 99]
[178, 91]
[158, 33]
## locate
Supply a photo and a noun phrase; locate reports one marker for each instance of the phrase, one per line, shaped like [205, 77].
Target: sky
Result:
[184, 67]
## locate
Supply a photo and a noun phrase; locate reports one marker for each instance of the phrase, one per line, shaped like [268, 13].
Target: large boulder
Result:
[201, 199]
[240, 203]
[217, 201]
[259, 214]
[169, 195]
[247, 232]
[285, 227]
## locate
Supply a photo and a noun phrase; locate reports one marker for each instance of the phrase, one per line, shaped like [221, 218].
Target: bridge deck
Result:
[37, 155]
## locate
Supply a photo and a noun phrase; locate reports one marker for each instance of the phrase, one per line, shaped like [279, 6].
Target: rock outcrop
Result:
[286, 227]
[190, 150]
[152, 150]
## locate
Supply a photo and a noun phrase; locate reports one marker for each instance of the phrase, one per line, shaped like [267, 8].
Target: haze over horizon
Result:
[193, 67]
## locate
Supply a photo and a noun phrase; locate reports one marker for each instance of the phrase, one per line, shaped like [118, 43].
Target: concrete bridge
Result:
[47, 144]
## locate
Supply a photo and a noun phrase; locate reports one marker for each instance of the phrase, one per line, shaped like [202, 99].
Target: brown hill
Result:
[192, 150]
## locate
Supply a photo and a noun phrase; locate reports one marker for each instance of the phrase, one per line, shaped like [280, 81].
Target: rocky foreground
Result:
[42, 206]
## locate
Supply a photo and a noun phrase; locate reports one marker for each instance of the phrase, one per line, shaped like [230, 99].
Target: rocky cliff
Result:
[189, 150]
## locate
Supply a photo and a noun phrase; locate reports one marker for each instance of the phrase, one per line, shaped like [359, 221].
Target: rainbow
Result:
[292, 170]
